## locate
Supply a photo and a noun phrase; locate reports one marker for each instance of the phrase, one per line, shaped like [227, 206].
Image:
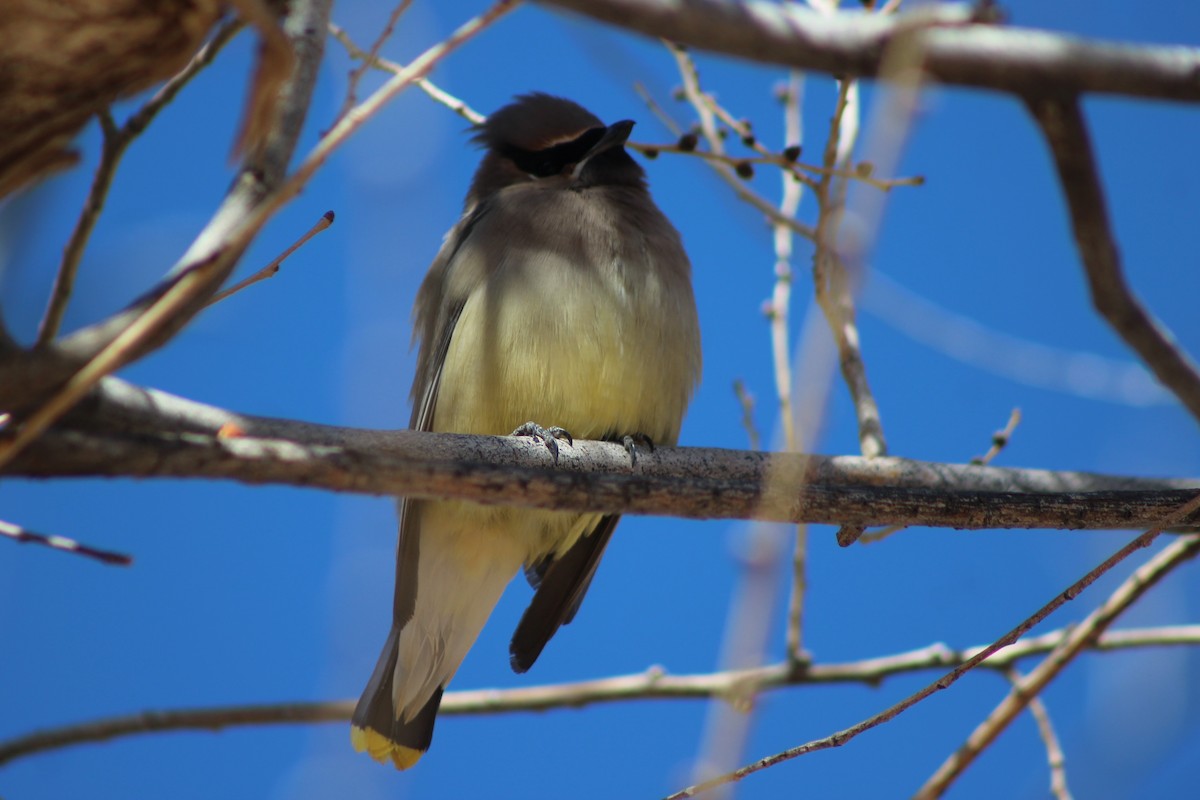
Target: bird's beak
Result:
[615, 135]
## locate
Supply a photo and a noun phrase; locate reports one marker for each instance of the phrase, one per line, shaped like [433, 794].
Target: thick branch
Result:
[127, 431]
[957, 51]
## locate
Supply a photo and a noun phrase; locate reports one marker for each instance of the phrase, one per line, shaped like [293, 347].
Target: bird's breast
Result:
[602, 345]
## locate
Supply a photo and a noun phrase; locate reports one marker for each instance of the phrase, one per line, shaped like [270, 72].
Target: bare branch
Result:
[28, 378]
[1000, 439]
[424, 84]
[270, 270]
[832, 282]
[152, 321]
[999, 442]
[696, 96]
[127, 431]
[116, 141]
[653, 684]
[24, 536]
[1066, 133]
[1071, 646]
[368, 59]
[957, 51]
[1054, 752]
[1189, 545]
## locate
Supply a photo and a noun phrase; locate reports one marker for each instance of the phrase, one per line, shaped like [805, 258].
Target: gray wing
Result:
[561, 586]
[436, 317]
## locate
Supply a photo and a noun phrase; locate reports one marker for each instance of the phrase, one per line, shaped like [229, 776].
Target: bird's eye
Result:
[555, 160]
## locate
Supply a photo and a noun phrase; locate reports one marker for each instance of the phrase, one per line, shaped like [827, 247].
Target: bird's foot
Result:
[631, 441]
[547, 436]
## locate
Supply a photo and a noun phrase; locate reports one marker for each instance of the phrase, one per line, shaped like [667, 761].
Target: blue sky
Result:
[243, 595]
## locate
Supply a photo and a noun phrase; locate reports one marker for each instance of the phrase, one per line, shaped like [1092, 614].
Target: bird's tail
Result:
[375, 728]
[461, 572]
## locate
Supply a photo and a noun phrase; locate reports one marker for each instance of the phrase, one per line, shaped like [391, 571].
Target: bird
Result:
[560, 305]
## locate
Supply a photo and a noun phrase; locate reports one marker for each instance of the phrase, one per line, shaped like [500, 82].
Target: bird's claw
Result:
[547, 436]
[631, 441]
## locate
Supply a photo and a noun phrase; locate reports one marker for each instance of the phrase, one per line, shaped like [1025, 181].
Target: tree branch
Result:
[27, 378]
[25, 536]
[1063, 654]
[126, 431]
[653, 684]
[1184, 548]
[1066, 133]
[958, 51]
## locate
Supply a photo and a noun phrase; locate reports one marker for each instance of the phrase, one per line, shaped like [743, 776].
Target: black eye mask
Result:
[553, 160]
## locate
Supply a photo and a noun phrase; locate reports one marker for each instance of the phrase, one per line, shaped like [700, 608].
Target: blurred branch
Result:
[163, 312]
[781, 160]
[23, 536]
[1054, 752]
[831, 279]
[653, 684]
[964, 339]
[958, 49]
[1074, 643]
[115, 142]
[796, 437]
[1189, 546]
[27, 379]
[368, 59]
[424, 84]
[1066, 133]
[128, 431]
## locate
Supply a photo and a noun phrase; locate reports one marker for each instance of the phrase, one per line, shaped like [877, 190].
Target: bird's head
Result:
[539, 137]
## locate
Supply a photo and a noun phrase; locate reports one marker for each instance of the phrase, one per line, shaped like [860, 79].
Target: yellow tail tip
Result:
[383, 749]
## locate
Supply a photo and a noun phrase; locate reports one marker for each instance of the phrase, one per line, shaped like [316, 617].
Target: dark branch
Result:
[25, 536]
[1066, 133]
[129, 432]
[958, 51]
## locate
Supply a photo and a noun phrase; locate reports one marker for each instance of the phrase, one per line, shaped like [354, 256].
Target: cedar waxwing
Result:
[562, 296]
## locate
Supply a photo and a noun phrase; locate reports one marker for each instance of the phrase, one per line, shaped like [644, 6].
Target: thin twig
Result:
[24, 536]
[271, 269]
[652, 684]
[833, 290]
[789, 166]
[746, 403]
[842, 737]
[708, 127]
[781, 300]
[1000, 440]
[666, 119]
[1055, 758]
[1066, 133]
[1071, 646]
[115, 142]
[368, 59]
[451, 102]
